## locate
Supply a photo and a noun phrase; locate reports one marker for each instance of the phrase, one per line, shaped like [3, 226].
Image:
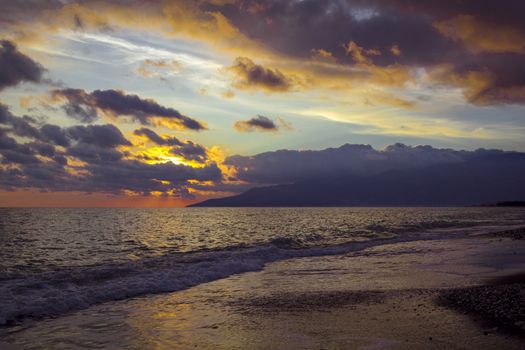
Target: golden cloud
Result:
[480, 36]
[480, 87]
[251, 76]
[272, 73]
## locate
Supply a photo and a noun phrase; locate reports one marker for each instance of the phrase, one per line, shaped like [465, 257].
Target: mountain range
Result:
[476, 178]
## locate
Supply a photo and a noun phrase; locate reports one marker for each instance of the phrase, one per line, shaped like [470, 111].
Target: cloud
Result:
[298, 44]
[20, 126]
[223, 27]
[13, 152]
[155, 138]
[17, 67]
[489, 80]
[395, 50]
[86, 107]
[93, 153]
[481, 36]
[156, 68]
[54, 134]
[76, 106]
[259, 123]
[251, 76]
[470, 38]
[323, 55]
[287, 166]
[95, 158]
[191, 19]
[105, 136]
[359, 54]
[141, 177]
[186, 149]
[191, 151]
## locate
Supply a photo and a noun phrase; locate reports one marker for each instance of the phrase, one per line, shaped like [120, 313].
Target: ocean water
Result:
[53, 261]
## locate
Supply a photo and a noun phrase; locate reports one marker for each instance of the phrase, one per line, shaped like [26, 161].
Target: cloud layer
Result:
[288, 166]
[94, 158]
[17, 67]
[334, 44]
[477, 46]
[86, 107]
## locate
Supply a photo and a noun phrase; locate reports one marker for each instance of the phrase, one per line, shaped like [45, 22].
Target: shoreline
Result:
[381, 297]
[170, 278]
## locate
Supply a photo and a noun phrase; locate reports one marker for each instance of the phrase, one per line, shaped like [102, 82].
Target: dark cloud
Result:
[408, 33]
[12, 11]
[19, 156]
[85, 106]
[481, 42]
[141, 177]
[259, 123]
[489, 80]
[44, 149]
[190, 151]
[287, 166]
[104, 167]
[298, 27]
[7, 142]
[21, 126]
[54, 134]
[503, 12]
[17, 67]
[156, 138]
[76, 106]
[104, 136]
[5, 115]
[13, 152]
[249, 75]
[93, 153]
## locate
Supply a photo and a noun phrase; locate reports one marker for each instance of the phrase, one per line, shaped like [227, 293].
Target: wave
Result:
[76, 288]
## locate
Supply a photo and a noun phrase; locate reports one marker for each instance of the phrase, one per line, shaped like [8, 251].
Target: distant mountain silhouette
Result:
[485, 179]
[504, 204]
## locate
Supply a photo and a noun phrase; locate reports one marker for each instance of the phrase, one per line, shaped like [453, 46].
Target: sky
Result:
[165, 103]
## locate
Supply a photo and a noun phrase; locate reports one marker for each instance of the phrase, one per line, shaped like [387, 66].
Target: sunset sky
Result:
[145, 103]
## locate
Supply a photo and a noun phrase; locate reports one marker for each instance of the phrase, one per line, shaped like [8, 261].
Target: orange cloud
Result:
[359, 54]
[277, 73]
[251, 76]
[150, 68]
[395, 50]
[323, 55]
[472, 83]
[480, 36]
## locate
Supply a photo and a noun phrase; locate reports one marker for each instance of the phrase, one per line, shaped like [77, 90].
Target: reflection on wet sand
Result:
[380, 298]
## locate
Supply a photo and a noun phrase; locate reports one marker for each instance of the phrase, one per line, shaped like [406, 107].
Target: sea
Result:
[55, 260]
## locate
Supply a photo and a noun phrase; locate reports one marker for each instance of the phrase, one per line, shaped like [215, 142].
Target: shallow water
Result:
[361, 300]
[58, 260]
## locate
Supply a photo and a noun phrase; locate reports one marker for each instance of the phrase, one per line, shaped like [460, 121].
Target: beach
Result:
[390, 296]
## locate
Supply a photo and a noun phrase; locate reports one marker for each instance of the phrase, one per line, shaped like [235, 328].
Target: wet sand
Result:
[385, 297]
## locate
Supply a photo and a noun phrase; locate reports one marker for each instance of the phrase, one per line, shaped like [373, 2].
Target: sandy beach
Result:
[394, 296]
